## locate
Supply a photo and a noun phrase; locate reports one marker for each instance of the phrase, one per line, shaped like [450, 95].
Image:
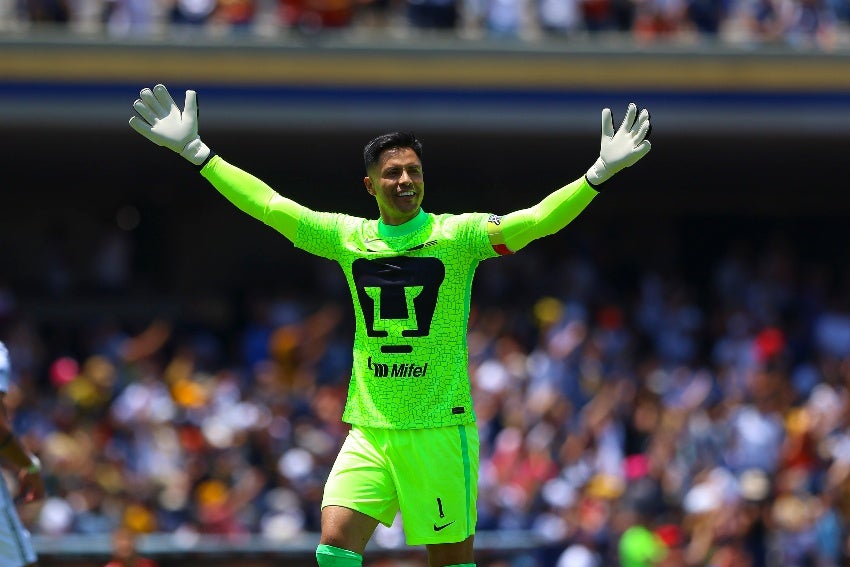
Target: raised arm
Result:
[618, 150]
[160, 120]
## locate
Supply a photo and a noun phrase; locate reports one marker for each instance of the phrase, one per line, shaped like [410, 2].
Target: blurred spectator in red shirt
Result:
[124, 551]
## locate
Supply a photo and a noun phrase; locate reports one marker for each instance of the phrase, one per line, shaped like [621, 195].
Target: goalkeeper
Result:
[413, 444]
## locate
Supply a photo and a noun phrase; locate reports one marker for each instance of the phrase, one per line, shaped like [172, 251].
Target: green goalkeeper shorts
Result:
[430, 475]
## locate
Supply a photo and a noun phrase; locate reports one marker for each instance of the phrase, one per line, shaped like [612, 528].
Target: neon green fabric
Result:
[330, 556]
[254, 197]
[547, 217]
[470, 473]
[411, 287]
[380, 471]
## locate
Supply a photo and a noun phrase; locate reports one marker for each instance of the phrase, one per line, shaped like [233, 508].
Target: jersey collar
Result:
[404, 229]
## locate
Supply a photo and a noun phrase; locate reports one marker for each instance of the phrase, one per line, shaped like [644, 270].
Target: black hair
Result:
[373, 150]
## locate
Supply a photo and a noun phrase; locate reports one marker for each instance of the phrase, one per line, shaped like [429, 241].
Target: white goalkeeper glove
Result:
[160, 121]
[621, 149]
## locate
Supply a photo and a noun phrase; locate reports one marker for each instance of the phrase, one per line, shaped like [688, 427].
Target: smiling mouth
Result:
[407, 194]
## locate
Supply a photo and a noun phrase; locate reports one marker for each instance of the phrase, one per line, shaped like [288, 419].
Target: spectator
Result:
[124, 551]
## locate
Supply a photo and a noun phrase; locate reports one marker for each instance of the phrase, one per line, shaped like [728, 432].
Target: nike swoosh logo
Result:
[368, 240]
[444, 526]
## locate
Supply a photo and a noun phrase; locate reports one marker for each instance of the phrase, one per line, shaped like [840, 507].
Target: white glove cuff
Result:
[196, 151]
[597, 174]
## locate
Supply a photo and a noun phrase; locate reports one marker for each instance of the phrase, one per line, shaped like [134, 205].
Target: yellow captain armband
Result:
[494, 233]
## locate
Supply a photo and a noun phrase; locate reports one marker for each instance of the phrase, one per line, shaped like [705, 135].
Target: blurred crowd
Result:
[806, 24]
[629, 414]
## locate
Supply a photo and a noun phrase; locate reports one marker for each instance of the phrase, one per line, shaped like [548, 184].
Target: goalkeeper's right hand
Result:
[159, 120]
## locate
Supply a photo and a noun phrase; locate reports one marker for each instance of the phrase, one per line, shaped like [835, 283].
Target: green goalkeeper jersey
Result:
[411, 286]
[411, 289]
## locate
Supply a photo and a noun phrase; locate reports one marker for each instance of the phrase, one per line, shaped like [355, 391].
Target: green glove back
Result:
[159, 120]
[623, 149]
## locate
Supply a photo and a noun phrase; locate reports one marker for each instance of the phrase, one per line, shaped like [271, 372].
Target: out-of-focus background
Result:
[667, 377]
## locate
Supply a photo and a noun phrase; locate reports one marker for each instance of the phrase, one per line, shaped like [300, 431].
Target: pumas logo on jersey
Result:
[397, 369]
[495, 219]
[398, 297]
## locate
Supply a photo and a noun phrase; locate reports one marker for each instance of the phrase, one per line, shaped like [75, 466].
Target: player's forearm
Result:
[253, 196]
[547, 217]
[13, 452]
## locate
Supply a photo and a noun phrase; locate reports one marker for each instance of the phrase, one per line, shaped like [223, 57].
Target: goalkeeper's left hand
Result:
[159, 120]
[621, 149]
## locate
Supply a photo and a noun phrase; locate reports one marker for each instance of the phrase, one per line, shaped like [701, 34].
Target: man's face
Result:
[397, 184]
